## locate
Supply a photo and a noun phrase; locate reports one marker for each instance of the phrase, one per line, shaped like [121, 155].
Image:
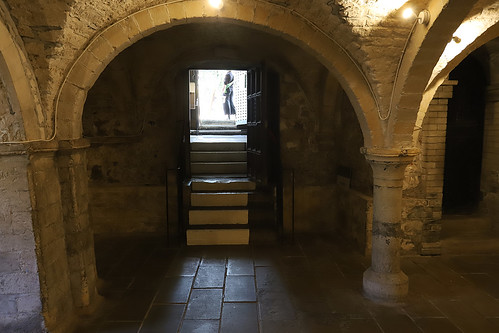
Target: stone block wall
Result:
[20, 299]
[128, 208]
[424, 179]
[134, 136]
[353, 177]
[307, 152]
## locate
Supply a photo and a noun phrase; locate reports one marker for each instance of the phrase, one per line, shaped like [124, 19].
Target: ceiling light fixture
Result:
[217, 4]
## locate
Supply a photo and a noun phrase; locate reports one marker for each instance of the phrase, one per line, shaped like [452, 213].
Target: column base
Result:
[385, 286]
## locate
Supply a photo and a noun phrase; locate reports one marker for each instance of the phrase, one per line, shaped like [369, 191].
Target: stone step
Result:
[225, 122]
[218, 146]
[219, 199]
[218, 236]
[218, 168]
[218, 156]
[218, 216]
[223, 131]
[222, 184]
[217, 127]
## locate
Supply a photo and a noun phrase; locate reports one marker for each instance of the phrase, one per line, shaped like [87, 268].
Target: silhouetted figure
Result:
[229, 94]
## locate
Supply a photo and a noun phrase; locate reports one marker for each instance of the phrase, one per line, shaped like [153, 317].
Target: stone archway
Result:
[110, 42]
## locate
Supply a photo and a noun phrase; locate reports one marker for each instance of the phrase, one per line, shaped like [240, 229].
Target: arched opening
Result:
[136, 115]
[468, 205]
[464, 139]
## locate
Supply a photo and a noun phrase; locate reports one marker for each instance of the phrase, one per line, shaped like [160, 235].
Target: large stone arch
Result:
[426, 45]
[263, 16]
[437, 79]
[19, 80]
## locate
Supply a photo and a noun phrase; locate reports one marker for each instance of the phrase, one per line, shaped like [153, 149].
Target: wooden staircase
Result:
[219, 190]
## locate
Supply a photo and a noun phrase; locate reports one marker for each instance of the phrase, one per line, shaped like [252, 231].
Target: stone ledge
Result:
[13, 149]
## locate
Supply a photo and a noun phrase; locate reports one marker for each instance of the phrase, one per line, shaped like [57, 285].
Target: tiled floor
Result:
[313, 285]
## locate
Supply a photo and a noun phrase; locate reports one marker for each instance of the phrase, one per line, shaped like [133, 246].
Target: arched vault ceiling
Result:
[54, 31]
[371, 32]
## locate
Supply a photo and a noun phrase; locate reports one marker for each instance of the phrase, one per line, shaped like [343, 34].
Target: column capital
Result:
[36, 147]
[388, 164]
[74, 144]
[56, 146]
[389, 155]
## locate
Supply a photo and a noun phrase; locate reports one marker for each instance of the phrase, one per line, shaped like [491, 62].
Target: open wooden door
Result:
[263, 126]
[193, 100]
[255, 116]
[263, 153]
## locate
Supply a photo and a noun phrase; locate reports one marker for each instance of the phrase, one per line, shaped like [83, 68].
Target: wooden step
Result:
[222, 184]
[218, 236]
[217, 168]
[218, 156]
[219, 199]
[218, 216]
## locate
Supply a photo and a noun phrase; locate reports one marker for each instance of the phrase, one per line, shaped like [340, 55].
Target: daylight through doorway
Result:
[218, 98]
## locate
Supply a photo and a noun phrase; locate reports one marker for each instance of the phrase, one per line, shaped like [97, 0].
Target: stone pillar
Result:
[72, 168]
[48, 225]
[384, 280]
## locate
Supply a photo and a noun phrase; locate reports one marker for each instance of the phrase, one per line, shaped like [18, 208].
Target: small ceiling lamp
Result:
[217, 4]
[423, 17]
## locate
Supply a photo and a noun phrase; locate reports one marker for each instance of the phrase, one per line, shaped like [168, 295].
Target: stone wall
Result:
[424, 179]
[135, 132]
[20, 298]
[306, 151]
[128, 208]
[353, 177]
[11, 128]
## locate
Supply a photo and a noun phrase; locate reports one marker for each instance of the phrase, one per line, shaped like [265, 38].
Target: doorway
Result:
[464, 139]
[217, 101]
[228, 156]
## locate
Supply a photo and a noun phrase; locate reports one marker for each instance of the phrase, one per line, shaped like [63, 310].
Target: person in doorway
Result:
[229, 108]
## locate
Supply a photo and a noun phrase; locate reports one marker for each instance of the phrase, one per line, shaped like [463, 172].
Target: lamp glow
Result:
[408, 13]
[422, 18]
[217, 4]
